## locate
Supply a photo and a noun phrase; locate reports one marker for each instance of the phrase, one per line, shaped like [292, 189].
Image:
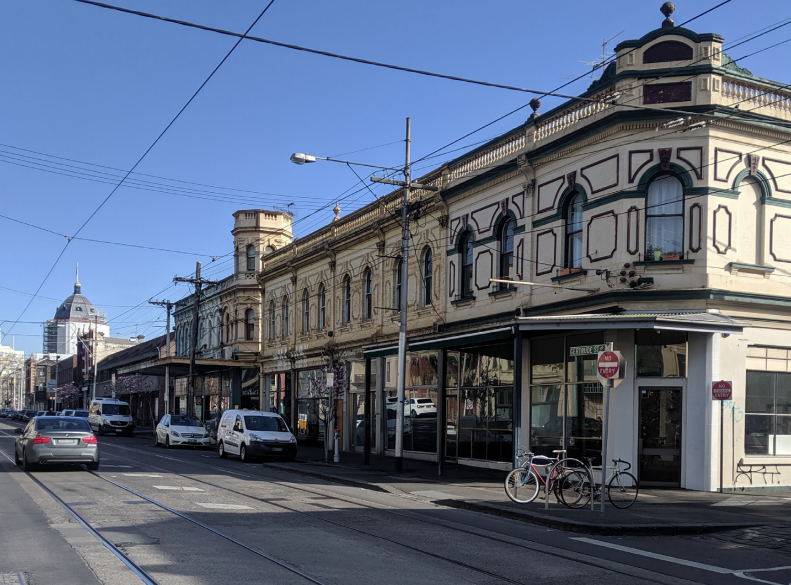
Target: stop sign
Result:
[721, 390]
[608, 365]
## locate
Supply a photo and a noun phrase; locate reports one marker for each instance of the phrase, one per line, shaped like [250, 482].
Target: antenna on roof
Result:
[599, 63]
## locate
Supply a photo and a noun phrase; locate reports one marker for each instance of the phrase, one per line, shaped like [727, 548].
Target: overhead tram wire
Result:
[142, 157]
[522, 107]
[6, 217]
[362, 61]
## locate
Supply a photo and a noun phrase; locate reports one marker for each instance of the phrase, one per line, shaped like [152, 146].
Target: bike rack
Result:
[581, 465]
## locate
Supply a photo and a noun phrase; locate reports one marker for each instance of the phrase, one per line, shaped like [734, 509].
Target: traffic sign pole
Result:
[722, 391]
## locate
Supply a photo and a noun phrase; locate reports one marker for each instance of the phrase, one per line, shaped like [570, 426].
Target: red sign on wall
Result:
[721, 390]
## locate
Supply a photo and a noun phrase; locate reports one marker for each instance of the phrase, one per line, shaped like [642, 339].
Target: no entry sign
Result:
[721, 390]
[608, 365]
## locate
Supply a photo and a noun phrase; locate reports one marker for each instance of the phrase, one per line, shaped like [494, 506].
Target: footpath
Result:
[656, 512]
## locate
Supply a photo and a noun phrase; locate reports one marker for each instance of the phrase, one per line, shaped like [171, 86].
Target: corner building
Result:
[652, 212]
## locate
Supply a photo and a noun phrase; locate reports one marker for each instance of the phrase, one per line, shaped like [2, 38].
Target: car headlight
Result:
[254, 437]
[175, 434]
[206, 434]
[293, 439]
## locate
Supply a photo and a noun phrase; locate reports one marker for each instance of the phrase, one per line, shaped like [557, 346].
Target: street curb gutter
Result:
[598, 529]
[541, 519]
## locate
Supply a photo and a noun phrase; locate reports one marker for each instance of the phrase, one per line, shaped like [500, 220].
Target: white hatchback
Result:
[178, 430]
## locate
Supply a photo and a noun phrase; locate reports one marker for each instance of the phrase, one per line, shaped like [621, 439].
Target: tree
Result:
[328, 398]
[12, 367]
[138, 385]
[68, 393]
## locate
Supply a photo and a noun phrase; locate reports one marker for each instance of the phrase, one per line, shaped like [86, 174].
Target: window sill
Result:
[736, 267]
[463, 300]
[663, 262]
[766, 460]
[503, 292]
[569, 276]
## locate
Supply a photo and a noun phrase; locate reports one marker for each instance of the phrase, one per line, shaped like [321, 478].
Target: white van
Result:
[253, 433]
[108, 415]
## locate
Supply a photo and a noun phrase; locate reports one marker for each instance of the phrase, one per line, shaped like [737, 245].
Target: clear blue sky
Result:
[97, 86]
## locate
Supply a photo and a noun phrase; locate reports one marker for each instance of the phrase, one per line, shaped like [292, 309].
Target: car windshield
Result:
[80, 413]
[424, 401]
[265, 423]
[184, 421]
[61, 423]
[122, 409]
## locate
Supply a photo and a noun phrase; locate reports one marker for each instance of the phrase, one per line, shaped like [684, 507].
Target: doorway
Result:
[659, 448]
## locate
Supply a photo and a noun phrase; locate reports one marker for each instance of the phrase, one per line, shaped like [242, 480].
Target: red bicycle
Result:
[523, 483]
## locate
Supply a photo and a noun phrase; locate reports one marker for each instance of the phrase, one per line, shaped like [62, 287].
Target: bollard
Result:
[336, 457]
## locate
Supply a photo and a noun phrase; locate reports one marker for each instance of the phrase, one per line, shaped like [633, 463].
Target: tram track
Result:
[144, 576]
[412, 516]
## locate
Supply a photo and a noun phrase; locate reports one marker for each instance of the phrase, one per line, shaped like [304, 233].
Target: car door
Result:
[162, 430]
[237, 434]
[25, 437]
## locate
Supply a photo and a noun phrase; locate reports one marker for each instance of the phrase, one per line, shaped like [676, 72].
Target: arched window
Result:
[506, 252]
[285, 317]
[271, 320]
[219, 329]
[201, 340]
[322, 307]
[573, 218]
[347, 299]
[397, 290]
[251, 258]
[428, 272]
[268, 250]
[664, 220]
[367, 294]
[227, 327]
[465, 251]
[305, 311]
[249, 322]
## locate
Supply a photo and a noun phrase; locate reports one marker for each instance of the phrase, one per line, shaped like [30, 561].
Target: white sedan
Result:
[177, 430]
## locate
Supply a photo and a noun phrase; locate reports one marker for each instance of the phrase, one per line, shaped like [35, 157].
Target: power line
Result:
[139, 160]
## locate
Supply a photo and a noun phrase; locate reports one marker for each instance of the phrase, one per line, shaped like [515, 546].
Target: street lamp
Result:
[300, 158]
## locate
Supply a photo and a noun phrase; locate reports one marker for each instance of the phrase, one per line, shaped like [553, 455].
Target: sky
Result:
[85, 91]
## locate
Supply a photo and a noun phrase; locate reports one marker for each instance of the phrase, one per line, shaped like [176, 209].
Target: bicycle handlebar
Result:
[628, 465]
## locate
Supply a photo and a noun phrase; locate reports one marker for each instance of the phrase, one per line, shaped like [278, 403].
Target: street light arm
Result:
[300, 158]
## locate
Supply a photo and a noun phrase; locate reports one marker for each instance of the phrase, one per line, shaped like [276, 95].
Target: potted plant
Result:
[670, 256]
[572, 270]
[657, 254]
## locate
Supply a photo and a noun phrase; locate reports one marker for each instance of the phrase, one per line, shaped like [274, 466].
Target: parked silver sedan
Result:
[56, 439]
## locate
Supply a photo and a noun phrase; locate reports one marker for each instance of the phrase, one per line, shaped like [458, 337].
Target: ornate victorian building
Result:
[651, 212]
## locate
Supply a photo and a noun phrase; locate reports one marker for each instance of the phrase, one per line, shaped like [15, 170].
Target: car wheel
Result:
[26, 466]
[292, 457]
[243, 454]
[156, 439]
[412, 414]
[221, 450]
[16, 458]
[167, 441]
[93, 466]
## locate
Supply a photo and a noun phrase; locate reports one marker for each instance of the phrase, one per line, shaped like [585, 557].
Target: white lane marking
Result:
[141, 475]
[677, 561]
[225, 506]
[119, 466]
[192, 489]
[177, 487]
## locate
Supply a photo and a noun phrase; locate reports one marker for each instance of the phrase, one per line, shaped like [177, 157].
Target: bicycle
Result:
[523, 482]
[575, 489]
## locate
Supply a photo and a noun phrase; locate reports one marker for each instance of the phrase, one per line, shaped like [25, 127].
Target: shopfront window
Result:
[251, 397]
[566, 397]
[310, 427]
[767, 429]
[420, 403]
[485, 403]
[661, 353]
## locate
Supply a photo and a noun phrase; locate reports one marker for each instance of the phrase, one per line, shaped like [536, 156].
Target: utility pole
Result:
[95, 353]
[169, 307]
[198, 282]
[402, 344]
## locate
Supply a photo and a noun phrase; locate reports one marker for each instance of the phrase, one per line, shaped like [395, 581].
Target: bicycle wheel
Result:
[622, 490]
[521, 485]
[574, 488]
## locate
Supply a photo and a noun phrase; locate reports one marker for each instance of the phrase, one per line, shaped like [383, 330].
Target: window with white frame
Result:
[271, 320]
[428, 272]
[285, 317]
[250, 258]
[367, 294]
[249, 320]
[322, 307]
[347, 299]
[305, 311]
[573, 219]
[506, 238]
[664, 220]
